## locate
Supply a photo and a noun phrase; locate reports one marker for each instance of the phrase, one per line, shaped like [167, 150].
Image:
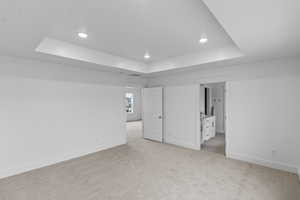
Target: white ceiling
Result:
[166, 28]
[261, 28]
[121, 31]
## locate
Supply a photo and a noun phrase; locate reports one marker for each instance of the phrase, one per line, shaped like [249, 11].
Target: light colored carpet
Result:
[216, 144]
[145, 170]
[134, 131]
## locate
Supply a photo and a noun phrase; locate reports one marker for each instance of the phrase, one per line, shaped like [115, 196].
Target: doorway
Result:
[133, 109]
[212, 117]
[144, 113]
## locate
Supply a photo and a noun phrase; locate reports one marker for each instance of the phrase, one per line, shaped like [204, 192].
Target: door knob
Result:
[159, 117]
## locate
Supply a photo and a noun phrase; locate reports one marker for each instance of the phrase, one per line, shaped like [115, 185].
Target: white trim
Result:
[163, 116]
[198, 119]
[263, 162]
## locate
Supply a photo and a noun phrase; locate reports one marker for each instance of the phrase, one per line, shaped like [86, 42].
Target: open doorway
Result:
[133, 108]
[212, 111]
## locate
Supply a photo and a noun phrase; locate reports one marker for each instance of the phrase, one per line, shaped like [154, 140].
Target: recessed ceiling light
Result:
[82, 35]
[203, 39]
[147, 56]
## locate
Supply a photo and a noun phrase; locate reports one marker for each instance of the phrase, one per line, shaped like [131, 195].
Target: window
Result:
[129, 102]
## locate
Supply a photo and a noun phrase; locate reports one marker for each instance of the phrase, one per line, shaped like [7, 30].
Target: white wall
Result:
[275, 129]
[44, 122]
[182, 119]
[50, 113]
[262, 121]
[137, 103]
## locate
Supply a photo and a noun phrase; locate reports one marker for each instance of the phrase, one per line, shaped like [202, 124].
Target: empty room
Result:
[149, 100]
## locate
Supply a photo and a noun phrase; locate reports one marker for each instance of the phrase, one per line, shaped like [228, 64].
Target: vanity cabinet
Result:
[208, 128]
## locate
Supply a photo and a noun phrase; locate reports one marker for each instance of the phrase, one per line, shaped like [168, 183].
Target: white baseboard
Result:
[263, 162]
[5, 173]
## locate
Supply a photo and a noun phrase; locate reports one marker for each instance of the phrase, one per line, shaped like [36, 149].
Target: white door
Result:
[152, 113]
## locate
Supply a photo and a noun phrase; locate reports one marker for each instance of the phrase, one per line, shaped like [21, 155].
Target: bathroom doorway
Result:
[212, 111]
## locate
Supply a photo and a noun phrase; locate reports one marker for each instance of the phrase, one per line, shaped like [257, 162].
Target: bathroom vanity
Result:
[208, 127]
